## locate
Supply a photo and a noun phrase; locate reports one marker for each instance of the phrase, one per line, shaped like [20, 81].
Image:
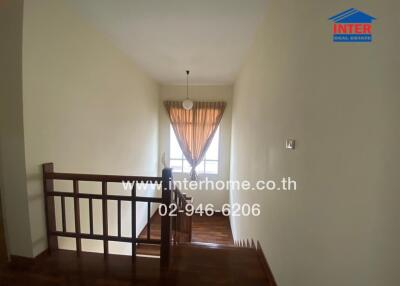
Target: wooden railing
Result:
[50, 193]
[181, 222]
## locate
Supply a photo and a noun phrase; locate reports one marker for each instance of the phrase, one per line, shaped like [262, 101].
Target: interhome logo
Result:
[352, 26]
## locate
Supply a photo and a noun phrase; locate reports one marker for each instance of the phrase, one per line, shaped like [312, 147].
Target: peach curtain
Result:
[195, 128]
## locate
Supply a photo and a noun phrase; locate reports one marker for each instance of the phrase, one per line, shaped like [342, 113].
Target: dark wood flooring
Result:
[210, 260]
[191, 265]
[214, 229]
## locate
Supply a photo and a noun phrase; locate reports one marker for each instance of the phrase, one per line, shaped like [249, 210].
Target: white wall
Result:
[341, 103]
[12, 156]
[87, 108]
[201, 93]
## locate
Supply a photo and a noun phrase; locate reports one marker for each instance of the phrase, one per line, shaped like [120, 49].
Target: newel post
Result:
[166, 219]
[48, 186]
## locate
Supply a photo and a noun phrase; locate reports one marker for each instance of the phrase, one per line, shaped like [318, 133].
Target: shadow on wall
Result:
[3, 248]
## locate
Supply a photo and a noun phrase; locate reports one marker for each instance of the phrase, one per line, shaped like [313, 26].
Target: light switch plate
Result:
[290, 144]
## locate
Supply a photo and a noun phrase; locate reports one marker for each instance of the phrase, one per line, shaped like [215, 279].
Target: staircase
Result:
[201, 263]
[213, 264]
[191, 264]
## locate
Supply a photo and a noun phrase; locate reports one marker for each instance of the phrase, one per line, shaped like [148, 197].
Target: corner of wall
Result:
[13, 182]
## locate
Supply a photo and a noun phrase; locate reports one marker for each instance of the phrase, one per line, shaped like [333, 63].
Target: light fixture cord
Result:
[187, 84]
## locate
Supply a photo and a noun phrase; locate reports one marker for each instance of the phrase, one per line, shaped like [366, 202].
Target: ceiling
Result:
[166, 37]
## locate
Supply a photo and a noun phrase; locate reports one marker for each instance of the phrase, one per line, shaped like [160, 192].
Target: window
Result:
[178, 163]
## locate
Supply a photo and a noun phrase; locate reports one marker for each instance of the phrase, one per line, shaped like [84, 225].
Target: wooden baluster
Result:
[189, 218]
[48, 186]
[166, 219]
[133, 221]
[148, 220]
[63, 219]
[91, 216]
[77, 217]
[105, 218]
[181, 222]
[184, 220]
[177, 220]
[119, 218]
[173, 220]
[183, 226]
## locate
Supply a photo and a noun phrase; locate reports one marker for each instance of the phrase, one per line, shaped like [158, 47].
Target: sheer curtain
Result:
[195, 128]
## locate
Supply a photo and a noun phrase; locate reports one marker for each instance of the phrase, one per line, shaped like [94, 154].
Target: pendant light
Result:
[187, 103]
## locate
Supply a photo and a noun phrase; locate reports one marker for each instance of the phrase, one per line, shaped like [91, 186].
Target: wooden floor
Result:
[212, 229]
[191, 265]
[205, 229]
[196, 264]
[208, 229]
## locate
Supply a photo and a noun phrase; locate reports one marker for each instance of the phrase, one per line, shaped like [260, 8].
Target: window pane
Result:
[186, 166]
[200, 168]
[211, 167]
[175, 150]
[212, 152]
[176, 165]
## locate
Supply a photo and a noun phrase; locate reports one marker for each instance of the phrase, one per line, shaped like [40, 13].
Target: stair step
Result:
[223, 264]
[221, 247]
[211, 245]
[217, 253]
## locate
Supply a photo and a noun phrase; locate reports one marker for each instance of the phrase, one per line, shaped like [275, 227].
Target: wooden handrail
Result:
[52, 233]
[102, 178]
[104, 197]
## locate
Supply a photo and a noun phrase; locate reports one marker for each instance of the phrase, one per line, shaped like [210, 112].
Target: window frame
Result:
[203, 162]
